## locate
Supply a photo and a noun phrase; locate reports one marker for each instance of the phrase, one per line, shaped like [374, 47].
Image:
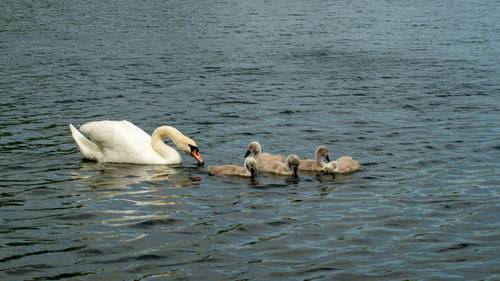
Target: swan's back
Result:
[122, 142]
[114, 133]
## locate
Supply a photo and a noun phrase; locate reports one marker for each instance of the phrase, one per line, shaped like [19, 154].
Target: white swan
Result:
[318, 164]
[343, 165]
[248, 169]
[262, 158]
[123, 142]
[290, 166]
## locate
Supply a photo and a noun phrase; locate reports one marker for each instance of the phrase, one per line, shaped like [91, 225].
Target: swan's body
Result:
[261, 157]
[343, 165]
[248, 169]
[318, 164]
[290, 166]
[123, 142]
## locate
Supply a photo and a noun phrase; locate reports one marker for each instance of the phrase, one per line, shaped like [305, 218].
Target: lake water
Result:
[409, 88]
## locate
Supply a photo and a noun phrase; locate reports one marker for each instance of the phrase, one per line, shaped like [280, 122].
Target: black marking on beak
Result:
[195, 152]
[247, 153]
[327, 158]
[252, 172]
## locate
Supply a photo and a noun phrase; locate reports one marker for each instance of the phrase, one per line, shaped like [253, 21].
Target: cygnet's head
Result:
[321, 152]
[331, 167]
[253, 147]
[251, 165]
[293, 162]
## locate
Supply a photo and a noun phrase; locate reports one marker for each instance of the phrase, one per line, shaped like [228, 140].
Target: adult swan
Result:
[124, 142]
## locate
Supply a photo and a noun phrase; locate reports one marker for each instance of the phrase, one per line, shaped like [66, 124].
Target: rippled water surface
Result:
[409, 88]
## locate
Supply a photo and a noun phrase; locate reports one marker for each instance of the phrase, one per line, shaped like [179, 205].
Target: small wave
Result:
[153, 222]
[457, 247]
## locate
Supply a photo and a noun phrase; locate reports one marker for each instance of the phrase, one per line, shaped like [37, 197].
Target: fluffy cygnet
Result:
[248, 169]
[318, 164]
[290, 166]
[262, 158]
[343, 165]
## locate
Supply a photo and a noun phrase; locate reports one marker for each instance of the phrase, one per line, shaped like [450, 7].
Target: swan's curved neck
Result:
[159, 145]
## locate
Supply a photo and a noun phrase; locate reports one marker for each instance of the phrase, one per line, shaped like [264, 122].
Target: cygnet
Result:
[290, 166]
[248, 170]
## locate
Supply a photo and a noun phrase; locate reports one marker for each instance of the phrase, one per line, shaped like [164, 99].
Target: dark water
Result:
[409, 88]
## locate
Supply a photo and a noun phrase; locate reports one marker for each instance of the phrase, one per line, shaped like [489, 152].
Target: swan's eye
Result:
[194, 148]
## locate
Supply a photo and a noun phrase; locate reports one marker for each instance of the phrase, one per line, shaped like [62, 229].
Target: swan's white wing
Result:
[123, 142]
[88, 149]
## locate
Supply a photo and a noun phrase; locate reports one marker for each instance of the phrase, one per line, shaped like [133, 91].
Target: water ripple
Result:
[409, 89]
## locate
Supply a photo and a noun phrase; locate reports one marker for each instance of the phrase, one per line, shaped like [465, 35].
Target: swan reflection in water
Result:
[104, 175]
[125, 194]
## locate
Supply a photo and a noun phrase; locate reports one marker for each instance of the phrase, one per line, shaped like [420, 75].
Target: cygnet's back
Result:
[343, 165]
[290, 166]
[346, 164]
[248, 170]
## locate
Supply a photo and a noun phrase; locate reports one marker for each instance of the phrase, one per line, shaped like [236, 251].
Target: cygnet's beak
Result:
[248, 153]
[295, 170]
[327, 158]
[252, 172]
[196, 154]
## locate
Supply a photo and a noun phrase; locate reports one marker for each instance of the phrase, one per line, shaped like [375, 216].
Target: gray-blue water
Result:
[409, 88]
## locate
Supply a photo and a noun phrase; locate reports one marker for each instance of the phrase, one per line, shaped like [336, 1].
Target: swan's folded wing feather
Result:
[88, 149]
[113, 133]
[122, 141]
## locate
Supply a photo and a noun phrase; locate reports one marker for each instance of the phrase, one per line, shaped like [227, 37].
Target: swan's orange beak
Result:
[196, 154]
